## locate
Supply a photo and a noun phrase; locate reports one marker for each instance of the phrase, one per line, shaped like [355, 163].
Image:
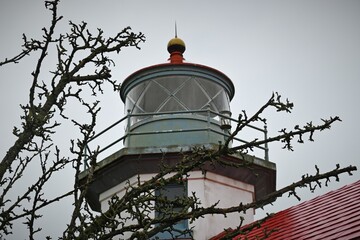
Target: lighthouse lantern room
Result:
[176, 103]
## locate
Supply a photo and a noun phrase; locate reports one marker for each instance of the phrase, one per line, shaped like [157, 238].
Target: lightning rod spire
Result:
[175, 30]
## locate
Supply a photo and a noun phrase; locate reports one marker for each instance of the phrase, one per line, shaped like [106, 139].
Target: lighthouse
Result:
[170, 109]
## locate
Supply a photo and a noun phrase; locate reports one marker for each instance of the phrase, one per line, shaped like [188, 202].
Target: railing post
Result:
[266, 144]
[225, 123]
[208, 120]
[127, 131]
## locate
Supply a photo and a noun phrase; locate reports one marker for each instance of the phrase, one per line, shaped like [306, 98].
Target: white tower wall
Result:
[209, 188]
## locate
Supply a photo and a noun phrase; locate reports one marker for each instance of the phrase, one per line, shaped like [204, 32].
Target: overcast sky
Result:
[309, 51]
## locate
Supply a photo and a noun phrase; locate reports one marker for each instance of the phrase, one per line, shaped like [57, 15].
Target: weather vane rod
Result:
[175, 30]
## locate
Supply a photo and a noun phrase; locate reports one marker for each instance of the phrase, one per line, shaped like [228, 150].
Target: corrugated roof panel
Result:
[334, 215]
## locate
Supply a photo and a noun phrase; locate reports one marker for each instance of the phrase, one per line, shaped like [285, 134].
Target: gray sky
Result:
[309, 51]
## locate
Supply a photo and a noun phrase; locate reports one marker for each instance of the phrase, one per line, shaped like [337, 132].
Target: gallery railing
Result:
[223, 119]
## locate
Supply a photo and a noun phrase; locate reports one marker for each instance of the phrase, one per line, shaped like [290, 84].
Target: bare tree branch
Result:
[77, 51]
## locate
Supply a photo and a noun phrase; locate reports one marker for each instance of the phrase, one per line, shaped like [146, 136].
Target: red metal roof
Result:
[334, 215]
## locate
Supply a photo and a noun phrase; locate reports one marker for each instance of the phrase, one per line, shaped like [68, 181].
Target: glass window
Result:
[172, 83]
[152, 98]
[192, 96]
[171, 193]
[133, 96]
[210, 87]
[176, 93]
[172, 105]
[221, 101]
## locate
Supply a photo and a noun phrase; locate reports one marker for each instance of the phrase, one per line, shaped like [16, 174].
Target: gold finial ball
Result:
[176, 45]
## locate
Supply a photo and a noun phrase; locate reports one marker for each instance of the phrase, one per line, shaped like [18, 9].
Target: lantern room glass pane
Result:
[192, 96]
[133, 96]
[221, 101]
[171, 83]
[210, 87]
[176, 93]
[172, 105]
[152, 98]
